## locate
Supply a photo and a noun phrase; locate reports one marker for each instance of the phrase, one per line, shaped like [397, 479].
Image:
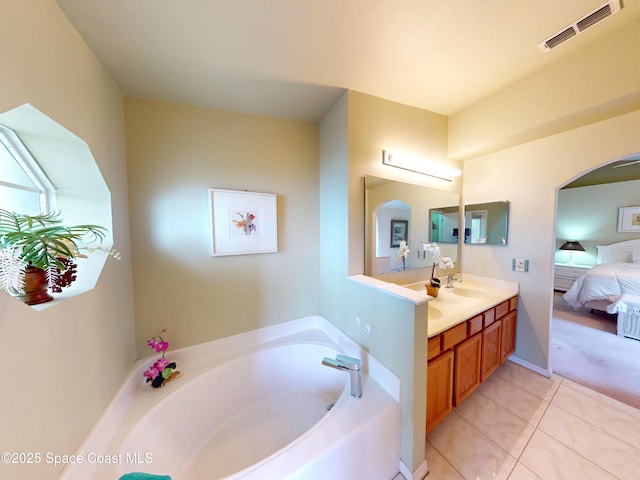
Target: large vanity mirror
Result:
[396, 211]
[486, 223]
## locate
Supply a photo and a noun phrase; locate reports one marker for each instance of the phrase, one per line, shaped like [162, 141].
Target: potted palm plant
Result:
[37, 253]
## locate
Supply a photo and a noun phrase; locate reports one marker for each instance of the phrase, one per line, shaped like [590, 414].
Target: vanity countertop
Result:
[452, 306]
[466, 299]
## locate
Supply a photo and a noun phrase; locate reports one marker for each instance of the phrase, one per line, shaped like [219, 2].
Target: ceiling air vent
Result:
[581, 25]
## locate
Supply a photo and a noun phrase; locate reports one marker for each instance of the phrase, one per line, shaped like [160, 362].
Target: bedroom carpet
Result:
[594, 357]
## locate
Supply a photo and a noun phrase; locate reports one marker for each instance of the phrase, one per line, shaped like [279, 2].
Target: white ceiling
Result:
[293, 58]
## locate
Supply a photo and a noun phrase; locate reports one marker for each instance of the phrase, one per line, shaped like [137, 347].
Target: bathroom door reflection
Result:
[444, 224]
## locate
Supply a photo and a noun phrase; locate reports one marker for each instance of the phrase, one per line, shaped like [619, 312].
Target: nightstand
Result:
[565, 274]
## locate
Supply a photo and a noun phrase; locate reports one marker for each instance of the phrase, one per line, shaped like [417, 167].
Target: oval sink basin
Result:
[469, 292]
[418, 287]
[434, 312]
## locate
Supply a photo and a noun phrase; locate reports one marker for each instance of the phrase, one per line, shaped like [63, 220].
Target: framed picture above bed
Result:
[629, 219]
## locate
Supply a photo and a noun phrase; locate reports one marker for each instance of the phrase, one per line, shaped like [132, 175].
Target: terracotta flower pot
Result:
[35, 288]
[431, 290]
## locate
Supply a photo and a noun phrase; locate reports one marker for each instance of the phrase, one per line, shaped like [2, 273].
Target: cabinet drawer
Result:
[489, 317]
[513, 303]
[502, 309]
[562, 284]
[433, 347]
[571, 272]
[475, 325]
[453, 336]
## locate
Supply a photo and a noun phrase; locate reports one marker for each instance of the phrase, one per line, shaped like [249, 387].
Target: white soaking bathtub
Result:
[253, 406]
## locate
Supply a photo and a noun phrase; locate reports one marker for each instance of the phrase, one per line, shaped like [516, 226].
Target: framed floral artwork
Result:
[629, 219]
[243, 222]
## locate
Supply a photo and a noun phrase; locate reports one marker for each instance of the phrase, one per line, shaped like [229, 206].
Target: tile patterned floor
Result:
[519, 425]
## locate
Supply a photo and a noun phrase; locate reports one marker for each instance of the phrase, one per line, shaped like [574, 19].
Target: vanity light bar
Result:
[416, 164]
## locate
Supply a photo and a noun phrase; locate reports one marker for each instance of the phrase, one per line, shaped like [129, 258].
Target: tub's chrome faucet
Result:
[351, 365]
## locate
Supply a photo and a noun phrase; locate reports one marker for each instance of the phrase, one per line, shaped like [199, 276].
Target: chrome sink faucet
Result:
[351, 365]
[452, 278]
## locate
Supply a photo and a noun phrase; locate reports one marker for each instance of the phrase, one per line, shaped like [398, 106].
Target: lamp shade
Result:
[573, 246]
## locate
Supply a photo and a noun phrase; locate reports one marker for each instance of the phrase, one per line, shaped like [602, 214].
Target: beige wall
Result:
[597, 82]
[175, 153]
[352, 137]
[63, 364]
[578, 113]
[528, 176]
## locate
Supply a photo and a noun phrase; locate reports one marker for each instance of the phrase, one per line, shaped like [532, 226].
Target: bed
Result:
[612, 285]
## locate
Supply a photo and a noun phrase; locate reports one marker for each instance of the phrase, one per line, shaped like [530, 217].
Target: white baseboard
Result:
[420, 473]
[523, 363]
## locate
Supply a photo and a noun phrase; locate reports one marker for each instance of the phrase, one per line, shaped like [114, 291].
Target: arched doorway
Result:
[584, 344]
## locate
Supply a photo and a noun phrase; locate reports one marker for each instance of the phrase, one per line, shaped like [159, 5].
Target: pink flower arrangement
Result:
[162, 370]
[160, 346]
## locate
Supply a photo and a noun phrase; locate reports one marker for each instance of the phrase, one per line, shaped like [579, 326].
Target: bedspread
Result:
[603, 282]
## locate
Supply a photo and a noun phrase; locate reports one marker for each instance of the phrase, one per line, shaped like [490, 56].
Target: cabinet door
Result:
[439, 388]
[466, 368]
[491, 353]
[508, 341]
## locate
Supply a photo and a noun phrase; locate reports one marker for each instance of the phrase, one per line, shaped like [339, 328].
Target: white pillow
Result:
[635, 255]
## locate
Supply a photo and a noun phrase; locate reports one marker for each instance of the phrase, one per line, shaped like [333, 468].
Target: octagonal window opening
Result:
[55, 171]
[24, 186]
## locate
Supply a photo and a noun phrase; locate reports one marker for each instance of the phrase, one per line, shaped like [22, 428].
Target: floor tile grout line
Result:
[580, 455]
[442, 454]
[622, 405]
[527, 372]
[446, 460]
[569, 446]
[562, 383]
[526, 420]
[535, 429]
[483, 435]
[538, 429]
[535, 425]
[604, 404]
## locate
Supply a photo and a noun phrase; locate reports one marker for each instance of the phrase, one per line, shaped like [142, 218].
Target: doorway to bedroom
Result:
[584, 345]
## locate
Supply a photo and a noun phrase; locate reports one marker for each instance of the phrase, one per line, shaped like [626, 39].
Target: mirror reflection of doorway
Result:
[444, 224]
[478, 226]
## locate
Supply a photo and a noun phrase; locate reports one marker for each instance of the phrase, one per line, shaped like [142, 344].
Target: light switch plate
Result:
[520, 265]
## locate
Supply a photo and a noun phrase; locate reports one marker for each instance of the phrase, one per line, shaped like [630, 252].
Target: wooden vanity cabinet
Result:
[509, 323]
[465, 355]
[439, 388]
[491, 353]
[508, 336]
[466, 367]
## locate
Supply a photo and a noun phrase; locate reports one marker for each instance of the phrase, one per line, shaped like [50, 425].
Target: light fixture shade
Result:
[414, 163]
[573, 246]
